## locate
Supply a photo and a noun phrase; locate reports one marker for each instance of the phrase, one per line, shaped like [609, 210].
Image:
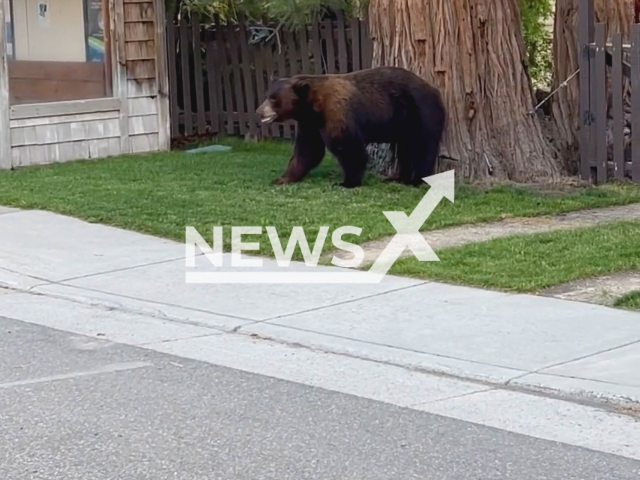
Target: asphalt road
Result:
[74, 407]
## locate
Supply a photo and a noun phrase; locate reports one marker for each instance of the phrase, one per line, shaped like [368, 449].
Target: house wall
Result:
[135, 119]
[40, 138]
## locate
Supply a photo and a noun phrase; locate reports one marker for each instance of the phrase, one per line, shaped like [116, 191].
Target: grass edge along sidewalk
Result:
[161, 194]
[531, 263]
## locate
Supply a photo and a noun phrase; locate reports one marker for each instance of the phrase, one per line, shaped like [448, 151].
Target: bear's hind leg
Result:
[423, 146]
[404, 161]
[425, 167]
[422, 157]
[426, 133]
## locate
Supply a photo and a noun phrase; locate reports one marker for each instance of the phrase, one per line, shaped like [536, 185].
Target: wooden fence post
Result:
[343, 63]
[173, 75]
[213, 82]
[618, 107]
[225, 67]
[196, 33]
[355, 43]
[331, 52]
[586, 19]
[260, 83]
[185, 48]
[317, 47]
[250, 93]
[600, 101]
[233, 36]
[304, 49]
[366, 42]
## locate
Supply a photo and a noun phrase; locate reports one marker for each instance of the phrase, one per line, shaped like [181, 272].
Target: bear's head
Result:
[285, 100]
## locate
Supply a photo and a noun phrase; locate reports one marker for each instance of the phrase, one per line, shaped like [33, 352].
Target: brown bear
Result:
[346, 112]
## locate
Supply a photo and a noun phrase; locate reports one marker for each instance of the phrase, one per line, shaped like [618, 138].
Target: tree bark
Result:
[565, 105]
[382, 160]
[473, 51]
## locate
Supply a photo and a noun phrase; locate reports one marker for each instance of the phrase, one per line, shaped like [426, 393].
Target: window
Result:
[57, 50]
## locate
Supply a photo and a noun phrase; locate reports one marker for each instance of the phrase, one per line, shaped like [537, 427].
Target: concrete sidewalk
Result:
[49, 262]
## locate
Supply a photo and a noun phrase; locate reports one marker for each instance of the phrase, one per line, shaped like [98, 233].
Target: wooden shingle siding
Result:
[139, 32]
[62, 152]
[51, 139]
[142, 106]
[135, 119]
[54, 120]
[144, 143]
[139, 12]
[143, 125]
[141, 69]
[142, 88]
[65, 132]
[140, 50]
[142, 85]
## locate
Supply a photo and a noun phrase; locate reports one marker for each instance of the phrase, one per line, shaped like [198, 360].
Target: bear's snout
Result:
[266, 112]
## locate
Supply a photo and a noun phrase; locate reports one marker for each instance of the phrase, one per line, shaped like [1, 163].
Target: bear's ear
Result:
[301, 89]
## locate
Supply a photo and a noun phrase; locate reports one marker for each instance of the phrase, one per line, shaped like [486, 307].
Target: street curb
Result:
[629, 404]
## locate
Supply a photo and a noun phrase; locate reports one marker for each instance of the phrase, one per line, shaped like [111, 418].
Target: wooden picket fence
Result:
[608, 70]
[218, 77]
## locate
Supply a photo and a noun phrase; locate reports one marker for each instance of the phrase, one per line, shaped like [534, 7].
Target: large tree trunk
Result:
[473, 51]
[383, 160]
[565, 105]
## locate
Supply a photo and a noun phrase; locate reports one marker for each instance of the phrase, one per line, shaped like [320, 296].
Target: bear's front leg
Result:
[308, 152]
[290, 175]
[353, 157]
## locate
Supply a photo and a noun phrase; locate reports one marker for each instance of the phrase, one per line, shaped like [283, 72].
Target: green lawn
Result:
[630, 301]
[531, 263]
[161, 194]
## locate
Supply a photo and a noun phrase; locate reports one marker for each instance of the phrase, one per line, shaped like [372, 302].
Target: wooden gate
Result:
[609, 101]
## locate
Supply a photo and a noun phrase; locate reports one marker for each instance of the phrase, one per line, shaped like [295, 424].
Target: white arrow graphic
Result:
[408, 227]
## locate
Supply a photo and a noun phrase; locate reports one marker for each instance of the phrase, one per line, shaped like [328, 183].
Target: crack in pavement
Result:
[453, 397]
[124, 269]
[324, 307]
[108, 306]
[394, 347]
[577, 359]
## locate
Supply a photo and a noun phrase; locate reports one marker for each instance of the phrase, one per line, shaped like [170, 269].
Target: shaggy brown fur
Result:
[346, 112]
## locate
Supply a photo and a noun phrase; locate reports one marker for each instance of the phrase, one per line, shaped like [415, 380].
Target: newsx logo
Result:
[407, 236]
